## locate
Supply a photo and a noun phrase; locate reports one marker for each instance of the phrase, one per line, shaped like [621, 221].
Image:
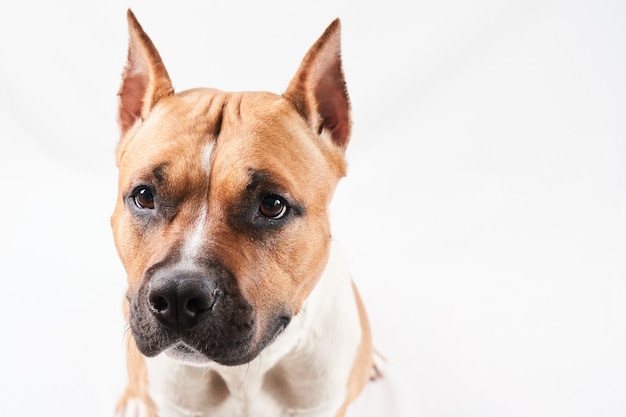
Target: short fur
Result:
[238, 301]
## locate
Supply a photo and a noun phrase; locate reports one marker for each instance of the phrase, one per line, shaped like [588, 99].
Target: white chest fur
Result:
[303, 373]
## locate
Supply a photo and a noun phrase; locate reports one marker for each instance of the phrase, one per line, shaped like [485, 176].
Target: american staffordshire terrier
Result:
[239, 303]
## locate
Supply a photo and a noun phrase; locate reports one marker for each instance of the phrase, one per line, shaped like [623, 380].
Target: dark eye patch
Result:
[263, 207]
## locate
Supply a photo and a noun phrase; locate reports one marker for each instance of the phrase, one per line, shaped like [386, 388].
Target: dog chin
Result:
[183, 353]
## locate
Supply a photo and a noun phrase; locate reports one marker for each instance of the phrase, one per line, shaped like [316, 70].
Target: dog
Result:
[239, 303]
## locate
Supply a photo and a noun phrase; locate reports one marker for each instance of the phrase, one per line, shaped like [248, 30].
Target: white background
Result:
[484, 214]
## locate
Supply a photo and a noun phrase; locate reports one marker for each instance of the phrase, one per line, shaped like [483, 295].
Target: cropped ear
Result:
[318, 90]
[145, 80]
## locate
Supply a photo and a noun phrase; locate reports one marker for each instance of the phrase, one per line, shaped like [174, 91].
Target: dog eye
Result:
[143, 197]
[273, 207]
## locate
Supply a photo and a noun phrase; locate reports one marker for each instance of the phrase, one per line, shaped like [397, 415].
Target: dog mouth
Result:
[200, 316]
[230, 337]
[240, 352]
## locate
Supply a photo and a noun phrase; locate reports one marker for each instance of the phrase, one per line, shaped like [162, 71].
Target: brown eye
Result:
[273, 207]
[144, 198]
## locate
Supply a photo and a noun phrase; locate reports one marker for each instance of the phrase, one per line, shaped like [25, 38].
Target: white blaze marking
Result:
[196, 236]
[207, 155]
[195, 239]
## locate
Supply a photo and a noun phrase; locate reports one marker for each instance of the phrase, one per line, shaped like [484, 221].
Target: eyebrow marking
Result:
[159, 172]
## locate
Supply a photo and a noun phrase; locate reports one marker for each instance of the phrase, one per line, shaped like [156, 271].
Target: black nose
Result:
[179, 301]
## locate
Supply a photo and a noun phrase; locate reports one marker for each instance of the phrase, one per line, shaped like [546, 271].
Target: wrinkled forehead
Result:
[176, 129]
[205, 130]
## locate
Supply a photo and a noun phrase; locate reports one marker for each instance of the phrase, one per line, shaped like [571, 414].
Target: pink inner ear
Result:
[145, 80]
[131, 100]
[333, 105]
[318, 90]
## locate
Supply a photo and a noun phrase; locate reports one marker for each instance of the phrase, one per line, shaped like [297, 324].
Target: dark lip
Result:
[186, 353]
[279, 328]
[183, 348]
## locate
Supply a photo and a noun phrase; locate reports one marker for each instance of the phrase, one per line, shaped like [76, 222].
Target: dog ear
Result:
[318, 90]
[145, 80]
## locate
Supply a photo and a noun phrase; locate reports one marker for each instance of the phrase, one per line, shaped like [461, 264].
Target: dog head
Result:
[221, 219]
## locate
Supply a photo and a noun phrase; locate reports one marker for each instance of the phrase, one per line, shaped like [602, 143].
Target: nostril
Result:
[158, 304]
[198, 305]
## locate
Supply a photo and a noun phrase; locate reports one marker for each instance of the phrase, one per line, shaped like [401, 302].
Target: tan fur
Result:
[228, 178]
[297, 140]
